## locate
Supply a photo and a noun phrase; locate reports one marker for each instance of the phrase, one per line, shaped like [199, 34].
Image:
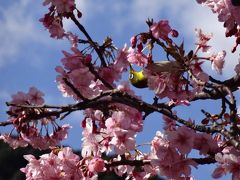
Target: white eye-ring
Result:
[131, 76]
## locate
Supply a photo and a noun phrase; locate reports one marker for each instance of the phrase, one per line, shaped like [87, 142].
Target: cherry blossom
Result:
[28, 130]
[96, 165]
[161, 30]
[218, 61]
[202, 40]
[182, 139]
[137, 58]
[227, 13]
[13, 141]
[62, 165]
[113, 115]
[35, 96]
[205, 144]
[167, 160]
[123, 141]
[227, 163]
[65, 6]
[54, 26]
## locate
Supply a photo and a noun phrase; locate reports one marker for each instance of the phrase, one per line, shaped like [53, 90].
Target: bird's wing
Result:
[164, 66]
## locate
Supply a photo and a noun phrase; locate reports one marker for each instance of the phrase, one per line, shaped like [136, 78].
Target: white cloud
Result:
[20, 29]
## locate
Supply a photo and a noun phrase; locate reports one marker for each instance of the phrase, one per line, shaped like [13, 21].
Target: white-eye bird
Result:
[138, 79]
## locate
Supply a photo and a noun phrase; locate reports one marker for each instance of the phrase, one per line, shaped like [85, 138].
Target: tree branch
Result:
[92, 43]
[232, 83]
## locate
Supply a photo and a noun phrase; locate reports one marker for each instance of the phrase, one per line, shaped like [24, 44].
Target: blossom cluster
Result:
[169, 78]
[29, 131]
[111, 127]
[114, 133]
[228, 13]
[79, 71]
[62, 164]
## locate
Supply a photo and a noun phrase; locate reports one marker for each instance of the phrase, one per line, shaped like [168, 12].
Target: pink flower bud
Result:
[174, 33]
[88, 59]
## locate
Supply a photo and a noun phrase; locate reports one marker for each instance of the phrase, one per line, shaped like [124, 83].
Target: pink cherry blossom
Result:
[118, 119]
[228, 163]
[161, 29]
[168, 84]
[14, 142]
[56, 30]
[205, 144]
[182, 139]
[234, 10]
[18, 98]
[123, 141]
[219, 172]
[121, 62]
[179, 169]
[202, 40]
[110, 74]
[124, 86]
[54, 26]
[61, 165]
[76, 67]
[161, 150]
[30, 132]
[166, 159]
[35, 96]
[198, 73]
[62, 6]
[218, 61]
[91, 141]
[137, 58]
[96, 165]
[122, 169]
[40, 141]
[114, 132]
[227, 13]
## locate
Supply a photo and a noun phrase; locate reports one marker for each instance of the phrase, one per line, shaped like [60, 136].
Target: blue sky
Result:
[28, 55]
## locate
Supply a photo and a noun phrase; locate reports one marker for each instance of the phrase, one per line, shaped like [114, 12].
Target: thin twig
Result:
[91, 42]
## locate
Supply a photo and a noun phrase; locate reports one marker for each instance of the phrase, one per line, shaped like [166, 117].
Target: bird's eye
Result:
[130, 76]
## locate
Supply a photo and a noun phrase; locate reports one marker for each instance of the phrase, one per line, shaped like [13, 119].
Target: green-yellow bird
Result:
[138, 79]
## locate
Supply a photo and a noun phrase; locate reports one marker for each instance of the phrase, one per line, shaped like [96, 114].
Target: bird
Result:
[139, 80]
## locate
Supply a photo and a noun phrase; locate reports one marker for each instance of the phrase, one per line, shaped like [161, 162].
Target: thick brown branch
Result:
[5, 123]
[202, 161]
[114, 96]
[128, 162]
[77, 92]
[232, 83]
[139, 163]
